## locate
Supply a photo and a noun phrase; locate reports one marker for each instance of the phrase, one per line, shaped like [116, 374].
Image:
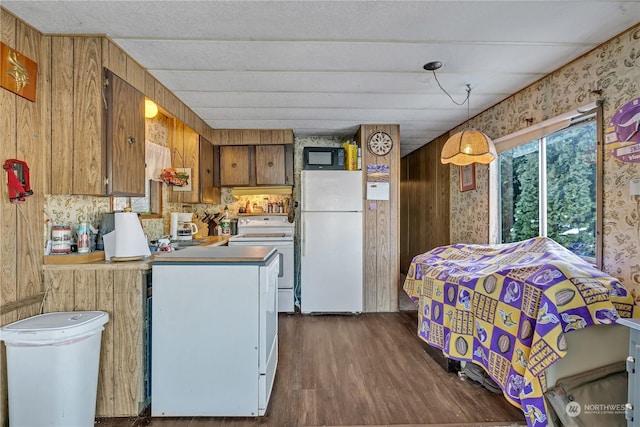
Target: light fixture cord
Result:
[447, 93]
[468, 104]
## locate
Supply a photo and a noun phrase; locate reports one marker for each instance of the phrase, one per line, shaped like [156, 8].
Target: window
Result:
[548, 186]
[149, 206]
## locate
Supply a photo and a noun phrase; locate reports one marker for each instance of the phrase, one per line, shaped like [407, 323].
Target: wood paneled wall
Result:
[24, 134]
[424, 194]
[41, 133]
[381, 227]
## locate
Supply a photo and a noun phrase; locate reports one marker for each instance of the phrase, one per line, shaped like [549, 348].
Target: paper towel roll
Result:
[127, 240]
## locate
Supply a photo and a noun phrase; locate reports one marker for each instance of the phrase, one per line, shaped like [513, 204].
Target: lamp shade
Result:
[150, 109]
[468, 146]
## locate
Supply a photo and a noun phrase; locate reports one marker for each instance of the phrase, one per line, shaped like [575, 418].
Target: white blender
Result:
[182, 226]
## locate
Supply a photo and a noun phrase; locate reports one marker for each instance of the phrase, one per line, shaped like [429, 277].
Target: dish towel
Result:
[157, 158]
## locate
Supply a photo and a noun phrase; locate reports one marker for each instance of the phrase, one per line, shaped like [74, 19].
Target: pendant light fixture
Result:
[469, 145]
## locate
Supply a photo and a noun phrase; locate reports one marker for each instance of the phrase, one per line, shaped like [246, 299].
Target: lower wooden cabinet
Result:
[122, 291]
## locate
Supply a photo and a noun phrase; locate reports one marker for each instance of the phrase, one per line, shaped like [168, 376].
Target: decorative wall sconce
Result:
[150, 109]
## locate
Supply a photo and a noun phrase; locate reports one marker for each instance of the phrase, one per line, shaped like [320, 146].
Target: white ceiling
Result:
[323, 68]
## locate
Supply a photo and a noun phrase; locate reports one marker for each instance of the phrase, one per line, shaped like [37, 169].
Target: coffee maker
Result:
[182, 226]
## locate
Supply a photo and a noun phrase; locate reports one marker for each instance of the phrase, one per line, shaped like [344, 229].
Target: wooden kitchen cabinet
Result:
[89, 107]
[190, 150]
[255, 165]
[270, 165]
[209, 193]
[184, 144]
[125, 159]
[123, 292]
[236, 165]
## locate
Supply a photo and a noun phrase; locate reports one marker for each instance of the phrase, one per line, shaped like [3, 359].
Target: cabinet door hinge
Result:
[631, 365]
[628, 412]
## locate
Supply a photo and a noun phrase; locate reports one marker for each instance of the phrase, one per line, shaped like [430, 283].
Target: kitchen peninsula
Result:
[215, 331]
[122, 289]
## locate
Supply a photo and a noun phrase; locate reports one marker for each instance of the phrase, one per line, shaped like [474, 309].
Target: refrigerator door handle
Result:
[304, 233]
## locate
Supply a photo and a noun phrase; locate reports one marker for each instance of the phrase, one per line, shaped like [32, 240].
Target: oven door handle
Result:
[281, 264]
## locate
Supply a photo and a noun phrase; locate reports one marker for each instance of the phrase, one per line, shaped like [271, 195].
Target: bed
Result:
[508, 307]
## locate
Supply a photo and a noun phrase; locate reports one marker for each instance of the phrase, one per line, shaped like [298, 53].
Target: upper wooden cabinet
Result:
[93, 115]
[270, 165]
[209, 193]
[252, 165]
[236, 165]
[184, 144]
[81, 114]
[125, 160]
[192, 151]
[251, 157]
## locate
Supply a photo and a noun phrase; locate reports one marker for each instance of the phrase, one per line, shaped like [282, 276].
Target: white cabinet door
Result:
[205, 340]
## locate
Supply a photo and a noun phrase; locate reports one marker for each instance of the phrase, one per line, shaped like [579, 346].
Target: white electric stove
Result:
[276, 231]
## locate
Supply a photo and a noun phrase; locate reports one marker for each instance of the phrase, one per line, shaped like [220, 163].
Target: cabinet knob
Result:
[208, 171]
[234, 165]
[270, 164]
[131, 140]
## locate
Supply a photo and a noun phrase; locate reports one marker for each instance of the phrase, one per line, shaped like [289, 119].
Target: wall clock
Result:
[380, 143]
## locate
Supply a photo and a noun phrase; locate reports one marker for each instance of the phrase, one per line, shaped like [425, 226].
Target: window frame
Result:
[538, 132]
[155, 201]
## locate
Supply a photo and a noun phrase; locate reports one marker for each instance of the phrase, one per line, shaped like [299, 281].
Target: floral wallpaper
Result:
[611, 73]
[72, 210]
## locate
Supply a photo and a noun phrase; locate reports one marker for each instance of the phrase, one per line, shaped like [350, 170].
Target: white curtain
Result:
[157, 158]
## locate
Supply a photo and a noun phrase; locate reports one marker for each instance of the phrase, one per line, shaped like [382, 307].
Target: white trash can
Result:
[52, 368]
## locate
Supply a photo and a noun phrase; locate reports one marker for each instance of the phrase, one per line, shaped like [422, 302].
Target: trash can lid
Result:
[54, 327]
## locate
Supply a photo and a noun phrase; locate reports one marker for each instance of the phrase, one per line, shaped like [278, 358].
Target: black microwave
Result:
[323, 158]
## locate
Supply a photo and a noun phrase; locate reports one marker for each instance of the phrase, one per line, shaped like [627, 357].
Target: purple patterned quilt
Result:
[507, 307]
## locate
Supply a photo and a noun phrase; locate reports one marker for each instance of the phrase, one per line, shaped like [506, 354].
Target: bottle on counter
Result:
[225, 222]
[84, 242]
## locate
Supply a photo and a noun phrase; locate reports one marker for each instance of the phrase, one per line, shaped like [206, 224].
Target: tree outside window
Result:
[548, 188]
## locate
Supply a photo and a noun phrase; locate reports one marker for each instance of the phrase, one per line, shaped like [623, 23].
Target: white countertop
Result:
[218, 254]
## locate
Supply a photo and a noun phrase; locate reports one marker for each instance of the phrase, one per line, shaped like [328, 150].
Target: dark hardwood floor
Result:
[368, 369]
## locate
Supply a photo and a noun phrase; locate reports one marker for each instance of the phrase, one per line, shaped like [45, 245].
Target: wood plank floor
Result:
[360, 370]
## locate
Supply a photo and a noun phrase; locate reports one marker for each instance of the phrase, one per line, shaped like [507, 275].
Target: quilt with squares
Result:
[507, 307]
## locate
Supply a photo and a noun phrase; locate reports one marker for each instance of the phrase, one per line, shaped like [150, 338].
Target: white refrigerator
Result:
[331, 242]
